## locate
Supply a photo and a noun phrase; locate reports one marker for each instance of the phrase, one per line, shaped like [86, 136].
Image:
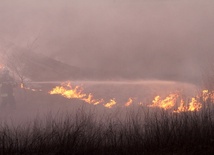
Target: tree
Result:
[13, 57]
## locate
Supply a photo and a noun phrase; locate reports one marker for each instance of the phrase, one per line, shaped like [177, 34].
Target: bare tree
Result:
[13, 58]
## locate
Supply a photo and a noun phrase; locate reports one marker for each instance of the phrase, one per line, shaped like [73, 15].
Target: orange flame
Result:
[68, 93]
[208, 96]
[194, 105]
[167, 103]
[91, 100]
[22, 85]
[205, 95]
[129, 102]
[182, 107]
[171, 100]
[212, 97]
[110, 104]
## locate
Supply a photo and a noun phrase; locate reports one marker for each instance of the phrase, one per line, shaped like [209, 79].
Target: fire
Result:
[208, 96]
[194, 105]
[22, 85]
[110, 104]
[205, 95]
[129, 102]
[90, 100]
[212, 97]
[167, 103]
[173, 100]
[182, 107]
[68, 92]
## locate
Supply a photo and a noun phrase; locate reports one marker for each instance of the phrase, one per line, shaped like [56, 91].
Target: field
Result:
[52, 124]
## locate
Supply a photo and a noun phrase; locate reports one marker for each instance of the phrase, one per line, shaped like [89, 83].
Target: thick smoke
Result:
[104, 40]
[159, 39]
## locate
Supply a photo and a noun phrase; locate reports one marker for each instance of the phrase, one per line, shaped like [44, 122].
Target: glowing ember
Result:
[22, 85]
[141, 104]
[129, 102]
[110, 104]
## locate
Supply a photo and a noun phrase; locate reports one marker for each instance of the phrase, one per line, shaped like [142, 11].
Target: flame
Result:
[110, 104]
[22, 85]
[208, 96]
[129, 102]
[212, 97]
[205, 95]
[167, 103]
[194, 105]
[68, 93]
[182, 107]
[90, 100]
[140, 103]
[171, 101]
[156, 102]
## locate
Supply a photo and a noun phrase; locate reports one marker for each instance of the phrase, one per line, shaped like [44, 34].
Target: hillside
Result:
[39, 67]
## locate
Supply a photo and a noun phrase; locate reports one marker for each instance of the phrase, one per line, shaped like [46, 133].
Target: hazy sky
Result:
[148, 38]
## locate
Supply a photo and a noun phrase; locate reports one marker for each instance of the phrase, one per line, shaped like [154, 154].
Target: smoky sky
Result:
[158, 38]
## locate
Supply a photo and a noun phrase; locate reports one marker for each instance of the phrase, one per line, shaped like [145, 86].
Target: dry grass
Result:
[139, 132]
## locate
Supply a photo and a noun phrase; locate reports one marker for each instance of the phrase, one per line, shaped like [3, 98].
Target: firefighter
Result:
[7, 83]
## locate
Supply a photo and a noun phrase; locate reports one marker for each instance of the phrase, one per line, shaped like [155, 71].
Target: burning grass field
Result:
[66, 119]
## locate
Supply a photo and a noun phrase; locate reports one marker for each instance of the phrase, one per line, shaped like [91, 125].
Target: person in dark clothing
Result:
[7, 83]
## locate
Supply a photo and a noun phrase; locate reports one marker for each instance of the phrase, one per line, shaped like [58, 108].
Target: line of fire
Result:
[174, 102]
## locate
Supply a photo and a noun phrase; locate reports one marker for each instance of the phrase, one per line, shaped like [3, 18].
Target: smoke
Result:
[158, 39]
